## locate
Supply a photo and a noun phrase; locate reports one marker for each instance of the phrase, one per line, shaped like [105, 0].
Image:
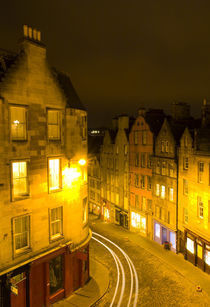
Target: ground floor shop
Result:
[46, 279]
[138, 221]
[162, 235]
[94, 208]
[121, 217]
[197, 250]
[106, 211]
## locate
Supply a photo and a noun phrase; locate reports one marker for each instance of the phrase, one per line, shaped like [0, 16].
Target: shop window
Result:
[207, 255]
[21, 232]
[56, 223]
[190, 245]
[200, 172]
[163, 191]
[157, 192]
[135, 220]
[54, 124]
[54, 175]
[144, 137]
[185, 163]
[20, 183]
[56, 274]
[117, 216]
[185, 187]
[85, 210]
[172, 238]
[18, 123]
[157, 230]
[200, 251]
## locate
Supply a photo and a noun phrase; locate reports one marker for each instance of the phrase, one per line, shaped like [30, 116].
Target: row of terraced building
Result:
[151, 175]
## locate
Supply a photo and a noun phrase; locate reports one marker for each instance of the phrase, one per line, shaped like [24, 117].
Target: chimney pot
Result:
[34, 34]
[29, 32]
[39, 36]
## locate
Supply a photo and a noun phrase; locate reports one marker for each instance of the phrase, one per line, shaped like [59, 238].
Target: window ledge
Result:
[22, 251]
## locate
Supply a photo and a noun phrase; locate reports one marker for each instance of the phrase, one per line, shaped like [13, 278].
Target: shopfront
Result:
[197, 250]
[138, 222]
[163, 234]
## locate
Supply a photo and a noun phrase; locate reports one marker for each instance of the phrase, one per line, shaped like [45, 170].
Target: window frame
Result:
[25, 107]
[59, 235]
[58, 139]
[23, 196]
[60, 174]
[25, 249]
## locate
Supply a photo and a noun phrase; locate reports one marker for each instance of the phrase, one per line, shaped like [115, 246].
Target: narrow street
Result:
[159, 284]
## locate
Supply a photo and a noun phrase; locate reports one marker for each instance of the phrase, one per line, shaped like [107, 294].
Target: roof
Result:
[65, 83]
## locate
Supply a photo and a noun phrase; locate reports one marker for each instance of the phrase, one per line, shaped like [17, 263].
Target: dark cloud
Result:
[121, 54]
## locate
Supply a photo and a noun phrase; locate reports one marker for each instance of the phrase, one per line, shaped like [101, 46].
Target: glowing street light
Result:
[82, 162]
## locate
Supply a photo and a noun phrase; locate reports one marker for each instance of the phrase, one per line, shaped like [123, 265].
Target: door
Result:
[18, 290]
[164, 235]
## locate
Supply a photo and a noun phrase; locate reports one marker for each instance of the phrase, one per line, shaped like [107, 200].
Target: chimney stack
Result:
[31, 34]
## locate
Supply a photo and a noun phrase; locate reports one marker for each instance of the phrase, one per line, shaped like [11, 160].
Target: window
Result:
[162, 146]
[166, 146]
[54, 127]
[185, 187]
[163, 168]
[185, 163]
[142, 182]
[157, 190]
[144, 137]
[125, 149]
[143, 160]
[185, 215]
[185, 141]
[137, 159]
[21, 231]
[136, 201]
[149, 161]
[117, 149]
[54, 174]
[135, 137]
[163, 191]
[200, 208]
[144, 206]
[190, 245]
[149, 204]
[171, 194]
[20, 187]
[92, 195]
[157, 230]
[136, 180]
[200, 171]
[171, 171]
[160, 213]
[85, 210]
[56, 275]
[207, 255]
[169, 217]
[158, 168]
[84, 127]
[149, 183]
[18, 123]
[56, 222]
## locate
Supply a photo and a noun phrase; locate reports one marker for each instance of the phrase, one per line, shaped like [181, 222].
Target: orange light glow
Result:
[71, 175]
[82, 162]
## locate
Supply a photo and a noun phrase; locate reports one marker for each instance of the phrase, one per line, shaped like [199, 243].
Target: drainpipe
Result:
[177, 201]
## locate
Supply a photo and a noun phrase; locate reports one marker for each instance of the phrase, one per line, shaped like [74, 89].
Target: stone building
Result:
[194, 194]
[141, 145]
[44, 233]
[115, 172]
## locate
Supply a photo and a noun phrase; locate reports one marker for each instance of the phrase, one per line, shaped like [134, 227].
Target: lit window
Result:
[163, 191]
[200, 171]
[56, 222]
[171, 194]
[54, 174]
[125, 149]
[54, 127]
[207, 255]
[185, 212]
[85, 210]
[190, 245]
[172, 239]
[18, 123]
[144, 137]
[171, 171]
[166, 146]
[21, 233]
[117, 149]
[19, 180]
[138, 221]
[157, 189]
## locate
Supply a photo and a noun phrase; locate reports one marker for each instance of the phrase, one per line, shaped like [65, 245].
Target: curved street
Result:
[159, 282]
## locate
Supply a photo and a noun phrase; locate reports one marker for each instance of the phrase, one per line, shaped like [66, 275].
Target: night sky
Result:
[121, 54]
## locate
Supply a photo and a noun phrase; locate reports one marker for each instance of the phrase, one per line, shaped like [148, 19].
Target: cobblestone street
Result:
[160, 284]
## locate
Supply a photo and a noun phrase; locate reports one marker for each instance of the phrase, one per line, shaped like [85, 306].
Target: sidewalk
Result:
[93, 291]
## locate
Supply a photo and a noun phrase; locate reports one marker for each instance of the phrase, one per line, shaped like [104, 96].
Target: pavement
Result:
[93, 291]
